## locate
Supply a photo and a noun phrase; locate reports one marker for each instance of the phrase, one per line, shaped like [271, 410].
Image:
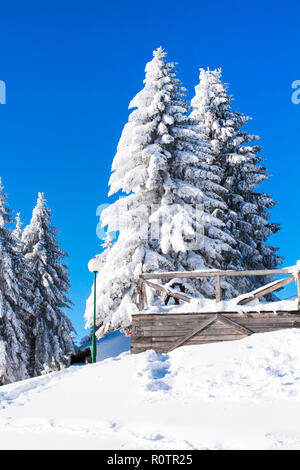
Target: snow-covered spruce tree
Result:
[52, 331]
[162, 165]
[140, 171]
[247, 218]
[193, 208]
[15, 303]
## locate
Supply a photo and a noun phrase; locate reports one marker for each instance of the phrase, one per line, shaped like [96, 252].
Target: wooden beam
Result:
[264, 290]
[235, 324]
[144, 294]
[200, 328]
[140, 294]
[218, 288]
[195, 316]
[213, 273]
[168, 291]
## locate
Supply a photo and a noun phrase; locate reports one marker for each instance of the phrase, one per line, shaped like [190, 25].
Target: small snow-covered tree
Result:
[52, 329]
[247, 217]
[15, 303]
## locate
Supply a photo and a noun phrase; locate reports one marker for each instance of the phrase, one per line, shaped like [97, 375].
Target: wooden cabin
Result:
[164, 332]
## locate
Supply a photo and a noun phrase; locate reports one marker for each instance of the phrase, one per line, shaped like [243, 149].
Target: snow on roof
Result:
[206, 305]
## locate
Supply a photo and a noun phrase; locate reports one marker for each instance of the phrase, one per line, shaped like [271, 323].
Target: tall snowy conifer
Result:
[15, 299]
[247, 218]
[140, 170]
[52, 341]
[193, 209]
[162, 164]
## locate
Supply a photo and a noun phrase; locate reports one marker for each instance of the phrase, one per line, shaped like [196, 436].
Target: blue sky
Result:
[71, 68]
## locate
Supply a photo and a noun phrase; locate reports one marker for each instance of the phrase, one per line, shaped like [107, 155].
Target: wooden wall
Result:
[165, 332]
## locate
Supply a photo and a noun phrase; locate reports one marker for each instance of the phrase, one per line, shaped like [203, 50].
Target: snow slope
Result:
[234, 395]
[111, 345]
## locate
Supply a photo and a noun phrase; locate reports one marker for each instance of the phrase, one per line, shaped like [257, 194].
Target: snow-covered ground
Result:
[234, 395]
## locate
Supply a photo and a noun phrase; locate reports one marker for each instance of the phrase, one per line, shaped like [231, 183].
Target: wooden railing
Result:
[144, 280]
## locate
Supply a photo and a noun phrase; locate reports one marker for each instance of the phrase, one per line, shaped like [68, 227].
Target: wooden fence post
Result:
[140, 294]
[144, 295]
[218, 288]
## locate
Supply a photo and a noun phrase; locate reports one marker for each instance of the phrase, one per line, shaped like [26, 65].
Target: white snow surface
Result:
[234, 395]
[112, 345]
[207, 305]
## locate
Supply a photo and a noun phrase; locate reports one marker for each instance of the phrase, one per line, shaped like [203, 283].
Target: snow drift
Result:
[234, 395]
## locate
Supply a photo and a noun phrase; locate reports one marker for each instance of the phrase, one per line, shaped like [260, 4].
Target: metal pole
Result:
[94, 344]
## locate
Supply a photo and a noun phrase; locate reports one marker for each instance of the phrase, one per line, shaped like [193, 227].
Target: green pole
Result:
[94, 345]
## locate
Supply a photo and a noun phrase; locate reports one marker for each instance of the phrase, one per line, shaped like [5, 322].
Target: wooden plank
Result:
[140, 295]
[222, 329]
[279, 319]
[246, 323]
[178, 334]
[212, 338]
[184, 329]
[261, 329]
[168, 291]
[167, 344]
[140, 350]
[218, 288]
[213, 272]
[232, 312]
[169, 332]
[213, 334]
[203, 325]
[205, 333]
[235, 324]
[184, 316]
[144, 294]
[169, 324]
[216, 340]
[272, 328]
[267, 289]
[155, 344]
[264, 321]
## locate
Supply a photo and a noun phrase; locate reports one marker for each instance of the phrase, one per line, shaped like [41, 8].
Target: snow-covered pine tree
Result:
[247, 218]
[53, 330]
[140, 172]
[193, 209]
[15, 308]
[158, 217]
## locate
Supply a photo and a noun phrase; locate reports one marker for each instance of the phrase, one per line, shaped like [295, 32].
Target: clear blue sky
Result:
[71, 67]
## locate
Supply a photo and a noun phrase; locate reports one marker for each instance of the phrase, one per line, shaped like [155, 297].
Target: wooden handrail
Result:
[213, 273]
[271, 287]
